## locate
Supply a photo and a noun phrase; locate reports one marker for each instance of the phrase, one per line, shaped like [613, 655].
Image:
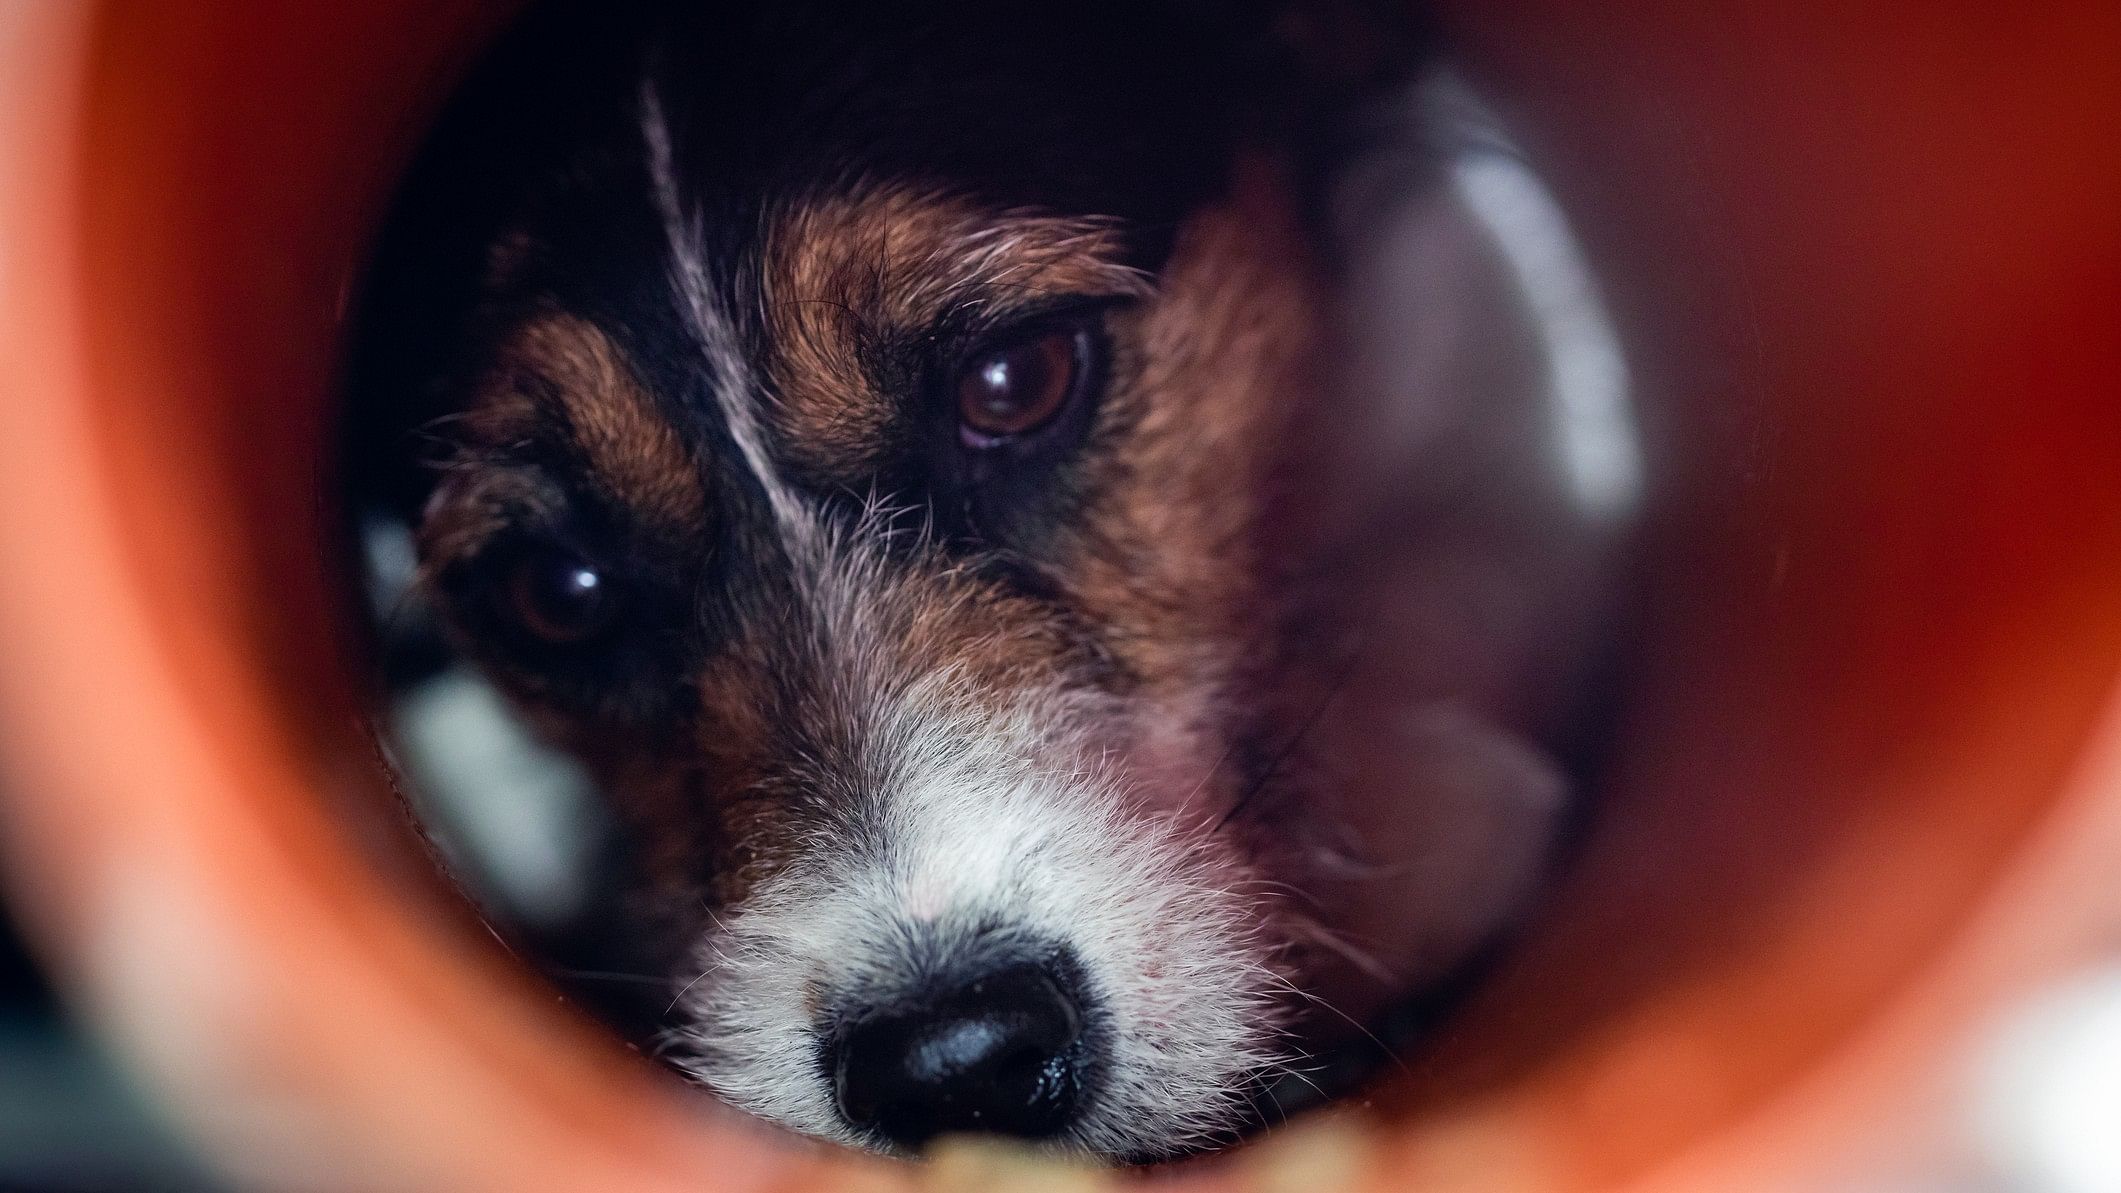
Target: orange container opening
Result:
[1866, 262]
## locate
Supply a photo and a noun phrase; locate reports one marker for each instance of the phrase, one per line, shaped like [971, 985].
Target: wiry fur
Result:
[992, 823]
[967, 808]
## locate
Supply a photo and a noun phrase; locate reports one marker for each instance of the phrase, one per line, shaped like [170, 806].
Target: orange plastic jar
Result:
[1868, 261]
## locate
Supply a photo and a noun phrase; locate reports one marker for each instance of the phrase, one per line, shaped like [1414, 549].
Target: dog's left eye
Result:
[1018, 385]
[1011, 408]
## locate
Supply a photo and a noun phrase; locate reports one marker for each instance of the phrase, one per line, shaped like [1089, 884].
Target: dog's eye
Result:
[575, 618]
[556, 595]
[1017, 386]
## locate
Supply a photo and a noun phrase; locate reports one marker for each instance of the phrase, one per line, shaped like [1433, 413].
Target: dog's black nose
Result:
[1001, 1054]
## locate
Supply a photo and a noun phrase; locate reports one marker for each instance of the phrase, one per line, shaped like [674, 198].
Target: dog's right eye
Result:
[555, 595]
[596, 632]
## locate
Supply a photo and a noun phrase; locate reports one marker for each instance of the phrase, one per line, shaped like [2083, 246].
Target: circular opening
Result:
[1816, 777]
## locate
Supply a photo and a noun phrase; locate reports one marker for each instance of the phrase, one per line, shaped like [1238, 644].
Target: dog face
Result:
[866, 440]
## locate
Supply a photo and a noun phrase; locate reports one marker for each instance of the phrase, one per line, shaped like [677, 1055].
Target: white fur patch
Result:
[985, 827]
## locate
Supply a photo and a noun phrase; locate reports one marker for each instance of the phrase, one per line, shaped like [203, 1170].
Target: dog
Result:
[927, 464]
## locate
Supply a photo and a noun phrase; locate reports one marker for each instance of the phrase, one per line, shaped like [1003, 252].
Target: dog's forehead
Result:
[855, 176]
[835, 277]
[1102, 105]
[909, 254]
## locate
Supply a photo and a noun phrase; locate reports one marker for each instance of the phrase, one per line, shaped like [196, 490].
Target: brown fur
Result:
[1162, 562]
[560, 370]
[630, 448]
[847, 270]
[1214, 366]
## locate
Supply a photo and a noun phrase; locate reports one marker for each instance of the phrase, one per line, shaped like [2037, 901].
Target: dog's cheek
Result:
[742, 806]
[1167, 552]
[655, 797]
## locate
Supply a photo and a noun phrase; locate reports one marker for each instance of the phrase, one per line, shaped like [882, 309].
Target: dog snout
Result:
[1003, 1052]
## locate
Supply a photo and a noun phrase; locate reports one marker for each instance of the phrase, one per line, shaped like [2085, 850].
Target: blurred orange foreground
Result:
[1870, 266]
